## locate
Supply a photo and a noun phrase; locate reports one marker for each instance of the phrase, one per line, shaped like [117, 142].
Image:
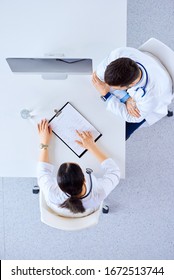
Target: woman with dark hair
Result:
[74, 192]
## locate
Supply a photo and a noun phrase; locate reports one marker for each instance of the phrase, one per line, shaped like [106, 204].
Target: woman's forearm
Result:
[98, 153]
[45, 133]
[44, 155]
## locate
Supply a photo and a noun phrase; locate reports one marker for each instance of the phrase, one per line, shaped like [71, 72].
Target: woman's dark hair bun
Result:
[70, 179]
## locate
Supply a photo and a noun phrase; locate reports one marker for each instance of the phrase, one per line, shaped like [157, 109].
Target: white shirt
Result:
[101, 187]
[154, 104]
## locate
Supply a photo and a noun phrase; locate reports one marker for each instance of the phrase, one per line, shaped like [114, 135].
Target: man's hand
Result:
[45, 132]
[102, 87]
[132, 108]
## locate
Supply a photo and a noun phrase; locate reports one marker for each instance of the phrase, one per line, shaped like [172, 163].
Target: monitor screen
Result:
[76, 66]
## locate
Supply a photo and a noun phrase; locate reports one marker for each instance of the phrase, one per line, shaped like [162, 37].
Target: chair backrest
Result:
[52, 219]
[162, 52]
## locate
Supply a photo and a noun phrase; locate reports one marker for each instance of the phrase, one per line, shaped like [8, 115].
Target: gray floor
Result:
[140, 223]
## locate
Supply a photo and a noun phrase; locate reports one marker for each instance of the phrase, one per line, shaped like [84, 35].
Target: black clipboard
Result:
[68, 118]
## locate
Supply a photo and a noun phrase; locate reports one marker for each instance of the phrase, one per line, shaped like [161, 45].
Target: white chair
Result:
[52, 219]
[164, 54]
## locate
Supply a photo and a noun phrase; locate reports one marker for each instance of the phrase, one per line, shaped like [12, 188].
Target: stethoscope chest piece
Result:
[89, 170]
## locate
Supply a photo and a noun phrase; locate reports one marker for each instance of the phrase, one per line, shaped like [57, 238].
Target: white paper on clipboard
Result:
[65, 124]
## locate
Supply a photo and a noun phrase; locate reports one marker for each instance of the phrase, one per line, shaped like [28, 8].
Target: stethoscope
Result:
[143, 89]
[88, 171]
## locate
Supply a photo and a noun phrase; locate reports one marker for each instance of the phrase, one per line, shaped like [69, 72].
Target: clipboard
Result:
[65, 123]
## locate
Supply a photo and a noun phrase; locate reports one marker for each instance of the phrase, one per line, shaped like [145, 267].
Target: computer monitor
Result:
[51, 68]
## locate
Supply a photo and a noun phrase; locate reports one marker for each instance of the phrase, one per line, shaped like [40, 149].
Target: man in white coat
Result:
[135, 86]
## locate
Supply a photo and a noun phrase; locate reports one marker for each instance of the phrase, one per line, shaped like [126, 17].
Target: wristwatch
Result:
[43, 146]
[106, 96]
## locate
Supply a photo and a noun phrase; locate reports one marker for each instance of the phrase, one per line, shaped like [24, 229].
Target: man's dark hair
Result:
[121, 72]
[70, 179]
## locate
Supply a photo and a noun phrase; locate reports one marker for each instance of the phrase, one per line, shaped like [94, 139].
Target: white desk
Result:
[76, 28]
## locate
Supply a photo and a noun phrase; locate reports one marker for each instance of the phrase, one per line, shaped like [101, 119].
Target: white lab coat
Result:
[154, 105]
[101, 187]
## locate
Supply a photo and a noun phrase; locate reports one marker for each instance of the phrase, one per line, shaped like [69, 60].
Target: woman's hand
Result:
[88, 143]
[87, 140]
[45, 132]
